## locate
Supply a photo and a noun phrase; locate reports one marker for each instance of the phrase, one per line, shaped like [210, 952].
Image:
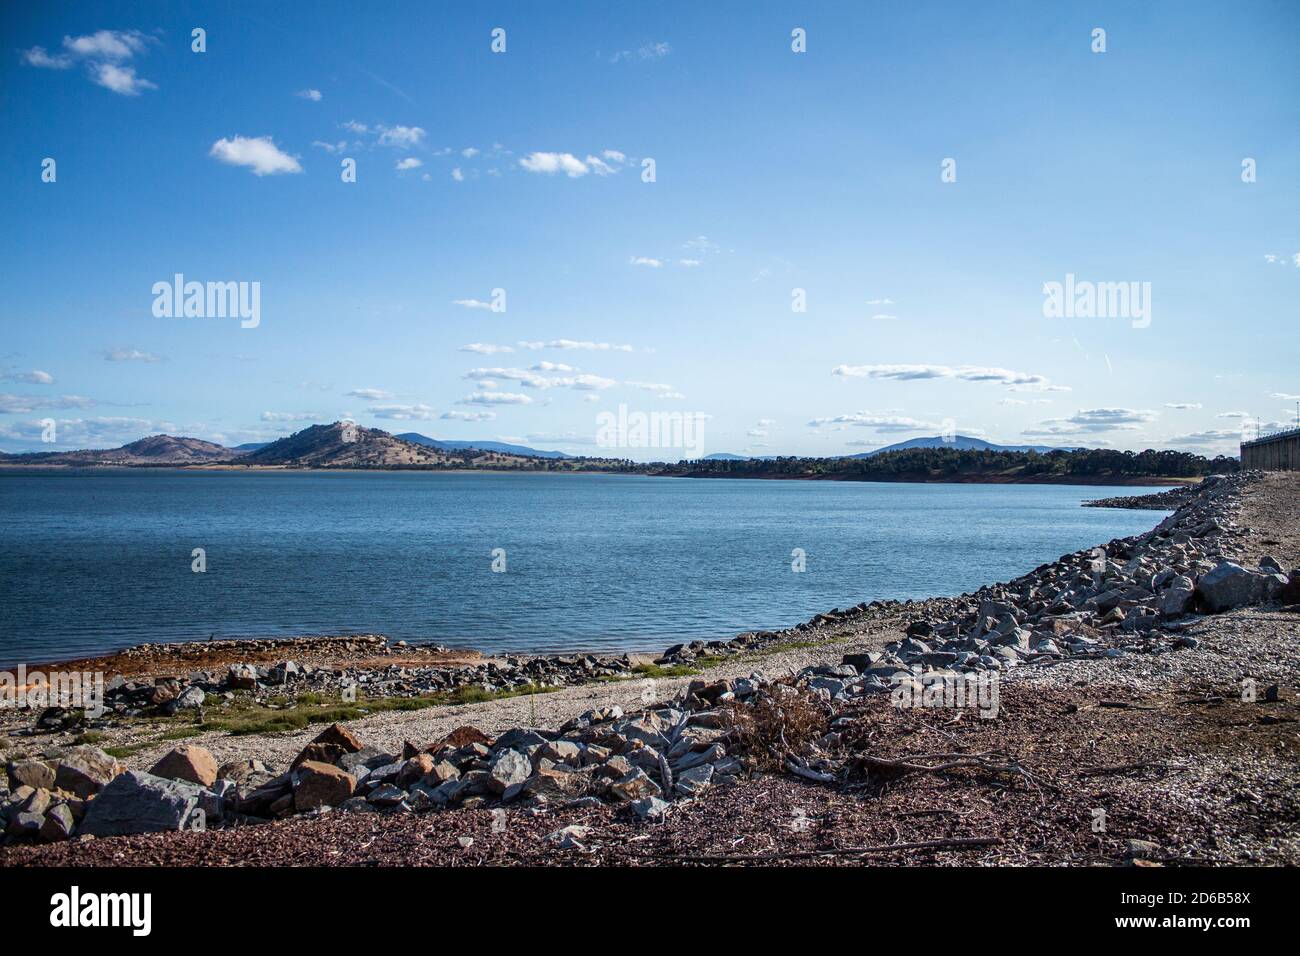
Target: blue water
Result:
[93, 561]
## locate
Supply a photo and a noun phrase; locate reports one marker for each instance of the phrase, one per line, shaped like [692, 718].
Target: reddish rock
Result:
[187, 762]
[339, 736]
[461, 737]
[320, 785]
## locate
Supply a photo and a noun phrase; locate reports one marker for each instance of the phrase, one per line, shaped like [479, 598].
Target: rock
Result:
[58, 824]
[567, 838]
[509, 768]
[318, 752]
[30, 773]
[442, 771]
[24, 824]
[190, 763]
[634, 786]
[320, 785]
[241, 677]
[84, 770]
[339, 736]
[240, 770]
[650, 808]
[1230, 585]
[562, 751]
[461, 737]
[135, 802]
[1176, 600]
[694, 781]
[387, 796]
[191, 698]
[1142, 849]
[415, 769]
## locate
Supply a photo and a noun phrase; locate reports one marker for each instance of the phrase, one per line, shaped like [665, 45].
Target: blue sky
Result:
[774, 171]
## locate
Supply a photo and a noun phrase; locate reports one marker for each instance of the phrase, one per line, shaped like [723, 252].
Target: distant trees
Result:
[939, 464]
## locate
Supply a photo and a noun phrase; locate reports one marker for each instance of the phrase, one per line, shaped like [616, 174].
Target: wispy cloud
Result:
[495, 398]
[103, 53]
[369, 394]
[570, 344]
[1027, 381]
[484, 349]
[309, 94]
[33, 377]
[647, 52]
[121, 354]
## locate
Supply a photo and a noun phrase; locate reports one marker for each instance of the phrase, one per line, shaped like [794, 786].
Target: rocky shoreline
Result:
[1135, 596]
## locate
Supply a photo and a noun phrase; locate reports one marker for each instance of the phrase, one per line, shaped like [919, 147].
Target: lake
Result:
[92, 561]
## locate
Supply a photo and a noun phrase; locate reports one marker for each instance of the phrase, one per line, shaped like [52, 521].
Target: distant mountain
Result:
[250, 446]
[959, 442]
[501, 447]
[725, 456]
[153, 450]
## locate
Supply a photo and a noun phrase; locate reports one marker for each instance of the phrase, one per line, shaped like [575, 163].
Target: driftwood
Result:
[956, 843]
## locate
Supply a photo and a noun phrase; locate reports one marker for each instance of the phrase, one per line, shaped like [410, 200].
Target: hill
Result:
[504, 448]
[152, 450]
[959, 443]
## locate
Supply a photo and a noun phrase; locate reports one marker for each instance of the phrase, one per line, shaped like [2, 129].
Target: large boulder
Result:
[1230, 585]
[85, 770]
[318, 784]
[189, 763]
[241, 677]
[135, 802]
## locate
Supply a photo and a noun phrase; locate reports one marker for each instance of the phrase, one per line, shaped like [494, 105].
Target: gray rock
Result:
[1176, 600]
[509, 768]
[650, 808]
[135, 802]
[84, 770]
[695, 781]
[58, 824]
[1230, 585]
[30, 773]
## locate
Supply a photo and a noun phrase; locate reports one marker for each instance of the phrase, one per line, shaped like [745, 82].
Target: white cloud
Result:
[106, 44]
[874, 420]
[614, 156]
[570, 344]
[884, 316]
[129, 355]
[472, 304]
[1182, 405]
[1089, 420]
[418, 412]
[369, 394]
[331, 147]
[409, 163]
[469, 152]
[646, 52]
[688, 263]
[260, 155]
[645, 261]
[353, 126]
[289, 416]
[103, 52]
[22, 404]
[34, 377]
[37, 56]
[400, 137]
[483, 349]
[457, 175]
[1019, 381]
[531, 379]
[309, 94]
[880, 302]
[120, 79]
[551, 163]
[1284, 396]
[459, 416]
[495, 398]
